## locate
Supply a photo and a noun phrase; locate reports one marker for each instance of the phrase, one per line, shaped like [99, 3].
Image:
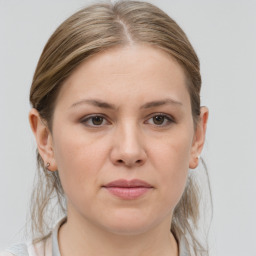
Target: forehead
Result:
[140, 72]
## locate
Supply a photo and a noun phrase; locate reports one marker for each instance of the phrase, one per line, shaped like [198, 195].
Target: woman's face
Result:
[123, 139]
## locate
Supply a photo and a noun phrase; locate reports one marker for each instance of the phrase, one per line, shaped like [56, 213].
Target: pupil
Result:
[97, 120]
[158, 119]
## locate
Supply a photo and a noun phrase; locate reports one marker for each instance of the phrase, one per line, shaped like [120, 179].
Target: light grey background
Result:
[224, 36]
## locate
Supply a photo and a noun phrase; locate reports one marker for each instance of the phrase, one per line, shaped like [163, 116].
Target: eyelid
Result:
[169, 118]
[85, 119]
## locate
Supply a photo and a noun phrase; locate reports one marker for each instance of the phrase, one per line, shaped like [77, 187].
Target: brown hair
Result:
[89, 31]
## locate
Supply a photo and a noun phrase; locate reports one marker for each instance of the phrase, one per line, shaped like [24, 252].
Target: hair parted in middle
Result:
[91, 30]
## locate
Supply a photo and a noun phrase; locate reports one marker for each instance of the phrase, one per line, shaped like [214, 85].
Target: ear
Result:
[199, 138]
[43, 138]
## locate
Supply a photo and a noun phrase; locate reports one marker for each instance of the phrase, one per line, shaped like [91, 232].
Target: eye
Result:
[94, 121]
[160, 120]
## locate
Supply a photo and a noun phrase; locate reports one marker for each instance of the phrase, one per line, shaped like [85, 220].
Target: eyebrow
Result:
[151, 104]
[157, 103]
[94, 102]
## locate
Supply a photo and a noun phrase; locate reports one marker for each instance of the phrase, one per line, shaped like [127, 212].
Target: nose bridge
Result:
[131, 138]
[128, 144]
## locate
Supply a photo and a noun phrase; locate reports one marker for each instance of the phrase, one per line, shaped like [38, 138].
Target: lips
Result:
[128, 189]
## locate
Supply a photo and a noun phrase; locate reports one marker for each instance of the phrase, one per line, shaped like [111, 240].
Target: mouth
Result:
[128, 189]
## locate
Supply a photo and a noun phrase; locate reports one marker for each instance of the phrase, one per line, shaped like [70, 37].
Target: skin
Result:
[145, 131]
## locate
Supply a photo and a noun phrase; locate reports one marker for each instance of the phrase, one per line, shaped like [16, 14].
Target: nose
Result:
[128, 149]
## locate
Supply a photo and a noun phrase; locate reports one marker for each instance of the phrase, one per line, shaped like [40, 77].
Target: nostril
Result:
[128, 163]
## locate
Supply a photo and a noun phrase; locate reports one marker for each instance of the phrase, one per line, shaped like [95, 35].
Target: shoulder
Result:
[48, 246]
[183, 247]
[16, 250]
[29, 249]
[6, 253]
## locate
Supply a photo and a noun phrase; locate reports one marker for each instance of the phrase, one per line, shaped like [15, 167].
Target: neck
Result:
[80, 237]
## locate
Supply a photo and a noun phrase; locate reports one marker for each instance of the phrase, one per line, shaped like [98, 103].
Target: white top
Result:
[50, 246]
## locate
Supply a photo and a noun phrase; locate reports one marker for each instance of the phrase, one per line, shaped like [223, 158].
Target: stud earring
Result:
[47, 165]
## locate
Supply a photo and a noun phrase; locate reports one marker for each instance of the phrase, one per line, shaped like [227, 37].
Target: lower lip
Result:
[128, 193]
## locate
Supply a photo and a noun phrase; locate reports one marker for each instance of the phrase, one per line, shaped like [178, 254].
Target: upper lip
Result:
[122, 183]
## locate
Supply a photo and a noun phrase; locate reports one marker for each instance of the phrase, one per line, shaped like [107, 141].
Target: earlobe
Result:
[43, 139]
[199, 138]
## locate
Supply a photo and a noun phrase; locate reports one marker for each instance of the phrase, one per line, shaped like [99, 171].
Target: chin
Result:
[130, 222]
[128, 229]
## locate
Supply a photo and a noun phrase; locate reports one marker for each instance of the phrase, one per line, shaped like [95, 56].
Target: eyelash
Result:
[88, 119]
[167, 120]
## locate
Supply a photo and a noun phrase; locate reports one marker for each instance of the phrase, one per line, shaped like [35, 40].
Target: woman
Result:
[118, 124]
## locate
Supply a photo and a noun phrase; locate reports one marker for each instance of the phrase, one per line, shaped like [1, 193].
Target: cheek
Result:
[78, 161]
[171, 159]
